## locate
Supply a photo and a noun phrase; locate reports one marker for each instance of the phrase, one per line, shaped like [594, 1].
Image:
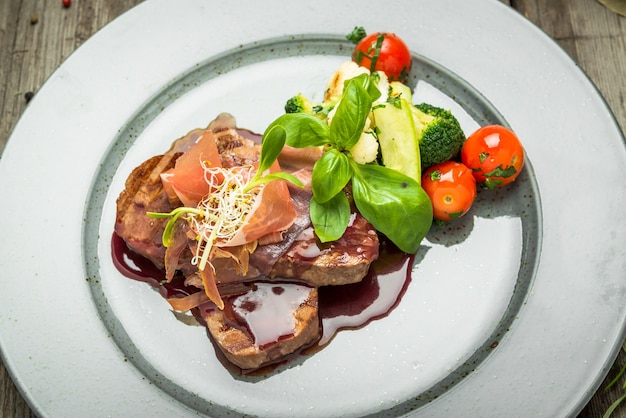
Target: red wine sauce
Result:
[264, 309]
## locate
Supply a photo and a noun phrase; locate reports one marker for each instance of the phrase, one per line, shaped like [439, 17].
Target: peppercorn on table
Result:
[36, 36]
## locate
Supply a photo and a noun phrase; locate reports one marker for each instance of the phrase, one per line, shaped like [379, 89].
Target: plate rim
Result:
[478, 108]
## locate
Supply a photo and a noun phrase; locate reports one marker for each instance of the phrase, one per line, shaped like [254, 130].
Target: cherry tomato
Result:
[384, 51]
[451, 188]
[494, 154]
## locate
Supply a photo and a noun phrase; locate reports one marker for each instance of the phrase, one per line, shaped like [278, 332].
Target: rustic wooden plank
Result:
[596, 39]
[32, 58]
[11, 403]
[9, 11]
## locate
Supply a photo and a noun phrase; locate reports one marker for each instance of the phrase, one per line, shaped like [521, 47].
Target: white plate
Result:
[518, 310]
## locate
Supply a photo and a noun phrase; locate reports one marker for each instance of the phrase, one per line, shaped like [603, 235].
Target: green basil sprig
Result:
[273, 143]
[395, 204]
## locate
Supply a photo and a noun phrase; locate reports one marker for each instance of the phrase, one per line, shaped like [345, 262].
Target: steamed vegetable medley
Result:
[404, 163]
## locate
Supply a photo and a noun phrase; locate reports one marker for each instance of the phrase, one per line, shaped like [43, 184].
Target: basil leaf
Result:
[330, 219]
[394, 203]
[369, 84]
[302, 130]
[273, 142]
[349, 119]
[500, 171]
[330, 175]
[168, 232]
[372, 86]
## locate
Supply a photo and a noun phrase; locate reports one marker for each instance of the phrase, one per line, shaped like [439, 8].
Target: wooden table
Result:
[37, 35]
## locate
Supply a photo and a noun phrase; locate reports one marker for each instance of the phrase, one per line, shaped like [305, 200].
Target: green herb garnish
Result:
[388, 199]
[357, 34]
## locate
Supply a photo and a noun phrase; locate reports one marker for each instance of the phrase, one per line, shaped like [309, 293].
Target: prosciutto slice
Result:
[275, 240]
[203, 172]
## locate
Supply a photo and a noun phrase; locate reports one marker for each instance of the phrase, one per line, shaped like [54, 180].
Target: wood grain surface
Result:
[37, 35]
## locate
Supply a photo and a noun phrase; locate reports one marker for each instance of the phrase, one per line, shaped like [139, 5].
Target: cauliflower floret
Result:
[346, 71]
[366, 149]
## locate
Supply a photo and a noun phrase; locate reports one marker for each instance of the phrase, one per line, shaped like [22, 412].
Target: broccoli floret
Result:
[298, 104]
[357, 34]
[301, 104]
[439, 134]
